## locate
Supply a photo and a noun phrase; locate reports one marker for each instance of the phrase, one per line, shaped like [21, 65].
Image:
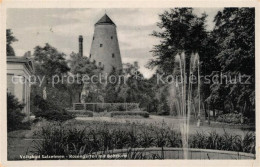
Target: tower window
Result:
[111, 37]
[113, 55]
[101, 45]
[93, 38]
[99, 63]
[89, 55]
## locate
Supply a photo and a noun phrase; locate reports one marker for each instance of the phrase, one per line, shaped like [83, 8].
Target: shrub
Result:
[82, 113]
[15, 117]
[163, 109]
[49, 111]
[234, 118]
[130, 113]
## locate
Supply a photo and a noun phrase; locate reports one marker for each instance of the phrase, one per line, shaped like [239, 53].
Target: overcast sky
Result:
[61, 28]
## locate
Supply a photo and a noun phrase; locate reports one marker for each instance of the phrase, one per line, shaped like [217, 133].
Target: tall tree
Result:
[181, 30]
[10, 38]
[81, 66]
[235, 33]
[49, 62]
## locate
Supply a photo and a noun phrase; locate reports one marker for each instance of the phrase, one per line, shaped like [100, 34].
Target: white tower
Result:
[105, 48]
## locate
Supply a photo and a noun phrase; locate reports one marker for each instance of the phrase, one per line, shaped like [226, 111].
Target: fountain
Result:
[184, 95]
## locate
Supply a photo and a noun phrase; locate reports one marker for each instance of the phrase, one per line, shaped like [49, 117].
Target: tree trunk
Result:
[207, 112]
[242, 113]
[208, 116]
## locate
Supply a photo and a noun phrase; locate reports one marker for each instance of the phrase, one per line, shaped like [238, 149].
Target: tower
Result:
[80, 45]
[105, 48]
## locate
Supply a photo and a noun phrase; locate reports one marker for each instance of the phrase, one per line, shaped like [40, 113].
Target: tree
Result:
[235, 34]
[15, 117]
[181, 30]
[49, 63]
[114, 86]
[10, 38]
[130, 87]
[80, 66]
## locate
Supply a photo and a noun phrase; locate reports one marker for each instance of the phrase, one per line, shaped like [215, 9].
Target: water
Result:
[185, 94]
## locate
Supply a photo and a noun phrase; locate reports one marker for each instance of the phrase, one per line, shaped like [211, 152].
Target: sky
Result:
[61, 28]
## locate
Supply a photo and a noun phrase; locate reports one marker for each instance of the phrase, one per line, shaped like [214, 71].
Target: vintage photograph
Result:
[130, 83]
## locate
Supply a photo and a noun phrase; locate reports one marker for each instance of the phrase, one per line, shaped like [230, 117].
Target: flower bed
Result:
[79, 138]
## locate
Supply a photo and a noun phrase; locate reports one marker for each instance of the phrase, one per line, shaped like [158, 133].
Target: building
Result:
[19, 70]
[105, 48]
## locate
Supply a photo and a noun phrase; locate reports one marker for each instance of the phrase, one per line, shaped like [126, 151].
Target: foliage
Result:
[84, 113]
[229, 49]
[181, 30]
[49, 62]
[227, 141]
[50, 111]
[15, 117]
[130, 87]
[113, 88]
[80, 66]
[235, 34]
[130, 113]
[10, 38]
[109, 107]
[93, 137]
[234, 118]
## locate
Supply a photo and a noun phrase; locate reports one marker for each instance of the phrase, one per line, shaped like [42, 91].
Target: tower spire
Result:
[105, 20]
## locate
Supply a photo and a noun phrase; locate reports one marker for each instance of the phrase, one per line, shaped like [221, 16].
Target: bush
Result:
[130, 113]
[82, 113]
[163, 109]
[231, 118]
[15, 117]
[49, 111]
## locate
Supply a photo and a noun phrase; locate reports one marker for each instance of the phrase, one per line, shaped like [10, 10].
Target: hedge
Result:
[130, 113]
[82, 113]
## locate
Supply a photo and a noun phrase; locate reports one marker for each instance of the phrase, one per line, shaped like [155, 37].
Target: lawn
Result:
[173, 122]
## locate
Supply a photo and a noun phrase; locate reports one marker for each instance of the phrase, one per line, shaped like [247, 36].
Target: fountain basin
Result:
[177, 153]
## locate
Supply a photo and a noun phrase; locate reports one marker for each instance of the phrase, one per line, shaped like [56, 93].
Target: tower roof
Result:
[105, 20]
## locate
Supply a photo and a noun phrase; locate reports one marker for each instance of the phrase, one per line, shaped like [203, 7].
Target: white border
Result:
[120, 4]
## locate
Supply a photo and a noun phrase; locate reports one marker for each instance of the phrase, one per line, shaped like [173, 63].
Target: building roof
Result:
[105, 20]
[28, 62]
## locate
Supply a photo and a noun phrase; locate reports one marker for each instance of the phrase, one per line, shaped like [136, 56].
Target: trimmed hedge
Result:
[82, 113]
[234, 118]
[107, 107]
[130, 113]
